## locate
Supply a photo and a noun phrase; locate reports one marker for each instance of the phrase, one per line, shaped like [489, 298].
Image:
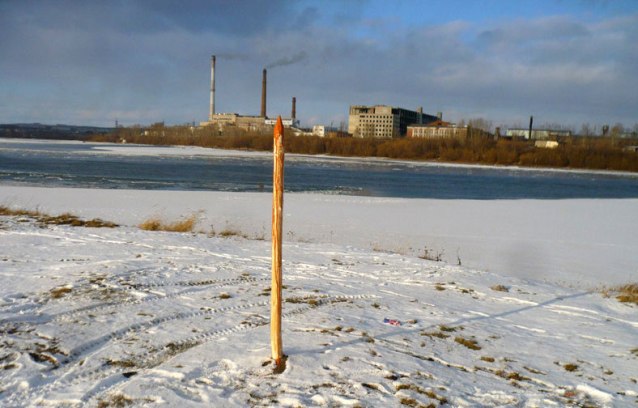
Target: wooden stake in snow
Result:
[277, 220]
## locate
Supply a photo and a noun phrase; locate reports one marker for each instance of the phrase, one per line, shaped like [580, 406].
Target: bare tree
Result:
[481, 123]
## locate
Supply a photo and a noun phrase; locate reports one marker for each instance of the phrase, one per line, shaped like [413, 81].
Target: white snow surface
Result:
[583, 243]
[93, 316]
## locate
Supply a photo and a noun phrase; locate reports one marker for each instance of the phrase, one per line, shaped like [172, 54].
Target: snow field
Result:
[580, 243]
[101, 315]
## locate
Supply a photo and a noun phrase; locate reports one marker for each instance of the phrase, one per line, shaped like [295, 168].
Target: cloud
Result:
[152, 58]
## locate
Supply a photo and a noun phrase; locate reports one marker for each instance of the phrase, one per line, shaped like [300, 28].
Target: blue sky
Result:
[566, 62]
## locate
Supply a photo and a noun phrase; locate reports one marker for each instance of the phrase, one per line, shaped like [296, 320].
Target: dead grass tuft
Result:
[4, 210]
[439, 335]
[500, 288]
[155, 224]
[628, 293]
[429, 393]
[62, 219]
[121, 363]
[469, 343]
[115, 400]
[59, 292]
[227, 233]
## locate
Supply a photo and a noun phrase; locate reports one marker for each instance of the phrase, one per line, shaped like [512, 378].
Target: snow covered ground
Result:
[583, 243]
[115, 316]
[121, 315]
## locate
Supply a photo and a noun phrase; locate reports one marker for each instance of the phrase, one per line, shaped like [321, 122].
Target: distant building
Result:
[546, 144]
[322, 130]
[384, 122]
[437, 129]
[538, 134]
[234, 119]
[286, 122]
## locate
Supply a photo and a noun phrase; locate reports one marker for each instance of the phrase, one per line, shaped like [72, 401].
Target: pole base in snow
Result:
[280, 365]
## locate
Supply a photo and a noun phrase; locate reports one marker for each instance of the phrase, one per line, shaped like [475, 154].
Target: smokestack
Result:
[294, 109]
[212, 88]
[531, 122]
[263, 94]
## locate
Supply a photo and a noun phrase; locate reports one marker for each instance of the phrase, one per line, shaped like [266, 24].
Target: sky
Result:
[566, 62]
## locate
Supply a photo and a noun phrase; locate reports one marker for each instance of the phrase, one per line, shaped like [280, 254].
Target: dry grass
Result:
[500, 288]
[429, 393]
[155, 224]
[115, 400]
[62, 219]
[59, 292]
[469, 343]
[625, 293]
[628, 293]
[4, 210]
[121, 363]
[228, 232]
[439, 335]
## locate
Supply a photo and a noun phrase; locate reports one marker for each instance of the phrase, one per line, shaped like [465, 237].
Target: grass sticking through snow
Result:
[62, 219]
[628, 293]
[625, 293]
[469, 343]
[155, 224]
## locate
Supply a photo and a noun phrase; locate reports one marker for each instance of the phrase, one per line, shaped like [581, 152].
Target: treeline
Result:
[574, 152]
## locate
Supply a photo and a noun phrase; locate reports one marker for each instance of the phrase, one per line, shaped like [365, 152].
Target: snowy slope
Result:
[581, 243]
[120, 315]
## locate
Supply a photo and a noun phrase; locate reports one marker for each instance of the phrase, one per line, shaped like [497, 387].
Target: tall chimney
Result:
[294, 110]
[531, 123]
[263, 94]
[212, 88]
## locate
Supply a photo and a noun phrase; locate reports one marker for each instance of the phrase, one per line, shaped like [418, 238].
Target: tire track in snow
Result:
[78, 351]
[153, 358]
[74, 360]
[29, 314]
[196, 286]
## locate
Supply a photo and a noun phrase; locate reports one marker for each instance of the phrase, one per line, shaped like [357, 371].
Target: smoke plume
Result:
[300, 56]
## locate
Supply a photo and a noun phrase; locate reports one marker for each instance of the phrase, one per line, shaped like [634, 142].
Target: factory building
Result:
[384, 122]
[437, 129]
[537, 134]
[247, 122]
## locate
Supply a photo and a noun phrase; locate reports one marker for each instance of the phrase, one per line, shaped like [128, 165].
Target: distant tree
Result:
[588, 130]
[481, 123]
[617, 130]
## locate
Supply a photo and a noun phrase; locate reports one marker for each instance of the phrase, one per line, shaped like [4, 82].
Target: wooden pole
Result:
[277, 220]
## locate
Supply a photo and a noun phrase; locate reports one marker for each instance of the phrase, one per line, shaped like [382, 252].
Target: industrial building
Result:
[384, 122]
[247, 122]
[437, 129]
[440, 129]
[537, 134]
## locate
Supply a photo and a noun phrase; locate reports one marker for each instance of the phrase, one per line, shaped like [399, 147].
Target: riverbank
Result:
[593, 153]
[581, 243]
